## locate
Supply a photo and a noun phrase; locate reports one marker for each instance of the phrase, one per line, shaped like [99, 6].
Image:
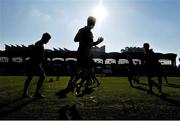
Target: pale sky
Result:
[125, 23]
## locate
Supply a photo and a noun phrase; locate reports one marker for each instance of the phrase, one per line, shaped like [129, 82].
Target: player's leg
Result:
[42, 77]
[26, 85]
[28, 79]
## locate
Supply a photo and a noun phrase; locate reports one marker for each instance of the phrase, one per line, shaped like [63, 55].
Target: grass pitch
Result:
[114, 99]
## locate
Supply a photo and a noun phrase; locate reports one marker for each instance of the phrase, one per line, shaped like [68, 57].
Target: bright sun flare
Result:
[99, 13]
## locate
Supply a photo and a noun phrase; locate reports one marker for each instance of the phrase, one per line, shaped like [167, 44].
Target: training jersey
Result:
[85, 39]
[38, 52]
[150, 57]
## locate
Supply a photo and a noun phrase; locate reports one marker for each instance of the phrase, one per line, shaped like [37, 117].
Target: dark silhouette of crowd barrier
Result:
[59, 62]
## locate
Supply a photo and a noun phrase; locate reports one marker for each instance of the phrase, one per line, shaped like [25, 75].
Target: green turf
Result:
[114, 99]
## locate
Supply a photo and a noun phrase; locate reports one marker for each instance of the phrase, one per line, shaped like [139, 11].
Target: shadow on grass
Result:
[69, 113]
[62, 113]
[143, 84]
[15, 105]
[162, 96]
[172, 85]
[140, 88]
[12, 101]
[62, 93]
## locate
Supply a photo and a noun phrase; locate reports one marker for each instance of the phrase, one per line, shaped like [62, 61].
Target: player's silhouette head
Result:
[45, 38]
[146, 46]
[91, 21]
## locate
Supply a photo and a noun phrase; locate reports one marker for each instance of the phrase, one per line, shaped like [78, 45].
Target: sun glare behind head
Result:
[99, 13]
